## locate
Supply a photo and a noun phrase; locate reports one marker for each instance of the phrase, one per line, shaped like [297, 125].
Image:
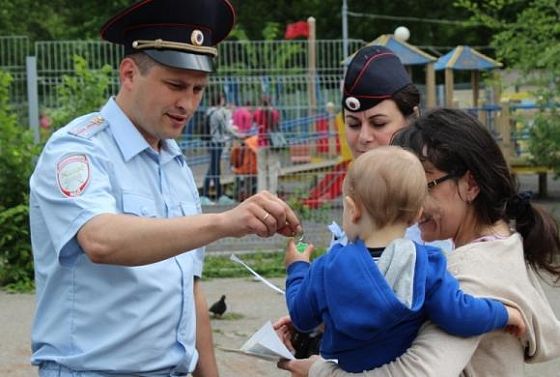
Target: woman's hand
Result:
[285, 331]
[298, 367]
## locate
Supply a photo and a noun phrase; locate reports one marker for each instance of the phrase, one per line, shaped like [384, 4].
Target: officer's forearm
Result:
[133, 241]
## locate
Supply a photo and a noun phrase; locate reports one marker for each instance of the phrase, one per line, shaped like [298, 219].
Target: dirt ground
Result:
[250, 305]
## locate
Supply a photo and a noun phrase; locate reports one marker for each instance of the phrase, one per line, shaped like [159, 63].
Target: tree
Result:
[528, 39]
[57, 19]
[69, 19]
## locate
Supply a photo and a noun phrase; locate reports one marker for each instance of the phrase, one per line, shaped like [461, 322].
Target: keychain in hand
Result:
[300, 244]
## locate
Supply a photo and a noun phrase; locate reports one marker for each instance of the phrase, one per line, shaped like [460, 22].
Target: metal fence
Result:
[13, 51]
[247, 71]
[311, 169]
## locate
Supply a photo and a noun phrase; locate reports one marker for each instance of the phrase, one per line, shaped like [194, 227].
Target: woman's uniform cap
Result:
[374, 74]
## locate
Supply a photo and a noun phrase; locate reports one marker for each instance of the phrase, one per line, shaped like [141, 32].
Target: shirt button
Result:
[145, 211]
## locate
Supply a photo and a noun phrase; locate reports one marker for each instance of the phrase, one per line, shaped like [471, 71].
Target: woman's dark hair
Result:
[407, 99]
[455, 142]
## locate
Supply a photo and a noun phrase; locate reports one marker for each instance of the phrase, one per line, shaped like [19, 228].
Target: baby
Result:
[372, 310]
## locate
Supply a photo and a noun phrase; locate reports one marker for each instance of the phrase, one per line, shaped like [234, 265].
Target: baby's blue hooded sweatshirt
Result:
[373, 311]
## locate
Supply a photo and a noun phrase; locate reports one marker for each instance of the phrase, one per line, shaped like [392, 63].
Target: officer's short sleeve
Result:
[71, 184]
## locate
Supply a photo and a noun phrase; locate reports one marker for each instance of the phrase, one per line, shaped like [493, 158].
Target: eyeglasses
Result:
[436, 182]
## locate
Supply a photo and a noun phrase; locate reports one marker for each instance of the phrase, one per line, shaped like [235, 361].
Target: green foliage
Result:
[16, 258]
[544, 144]
[67, 19]
[81, 93]
[56, 19]
[268, 57]
[527, 38]
[17, 152]
[321, 214]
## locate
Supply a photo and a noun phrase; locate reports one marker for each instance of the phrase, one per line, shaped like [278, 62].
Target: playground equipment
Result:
[467, 59]
[330, 186]
[519, 164]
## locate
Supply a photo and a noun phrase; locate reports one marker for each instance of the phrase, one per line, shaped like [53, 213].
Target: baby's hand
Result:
[293, 254]
[515, 324]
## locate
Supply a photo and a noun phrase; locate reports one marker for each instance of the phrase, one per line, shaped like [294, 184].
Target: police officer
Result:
[117, 234]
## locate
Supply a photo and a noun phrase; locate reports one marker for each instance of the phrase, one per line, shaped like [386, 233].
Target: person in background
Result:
[267, 119]
[243, 118]
[243, 161]
[505, 246]
[221, 131]
[116, 225]
[391, 285]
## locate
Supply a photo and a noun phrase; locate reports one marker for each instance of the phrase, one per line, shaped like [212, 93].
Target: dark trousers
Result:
[214, 169]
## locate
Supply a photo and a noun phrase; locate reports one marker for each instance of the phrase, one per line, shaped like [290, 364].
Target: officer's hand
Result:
[263, 214]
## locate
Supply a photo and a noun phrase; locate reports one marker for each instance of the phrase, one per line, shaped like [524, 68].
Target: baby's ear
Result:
[353, 209]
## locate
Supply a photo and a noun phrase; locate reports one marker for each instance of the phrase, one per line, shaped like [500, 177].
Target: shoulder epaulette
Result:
[90, 127]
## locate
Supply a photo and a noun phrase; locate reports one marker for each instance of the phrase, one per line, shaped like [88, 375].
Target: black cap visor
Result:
[182, 60]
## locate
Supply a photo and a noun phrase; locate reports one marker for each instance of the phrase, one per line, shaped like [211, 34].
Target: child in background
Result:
[372, 310]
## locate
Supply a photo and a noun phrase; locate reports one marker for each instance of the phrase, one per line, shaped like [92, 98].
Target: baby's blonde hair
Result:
[389, 183]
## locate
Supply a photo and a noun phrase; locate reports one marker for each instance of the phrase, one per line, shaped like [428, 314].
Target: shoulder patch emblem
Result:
[73, 174]
[92, 126]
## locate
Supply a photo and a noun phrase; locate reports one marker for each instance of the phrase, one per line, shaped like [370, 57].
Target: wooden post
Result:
[475, 77]
[430, 86]
[503, 126]
[449, 87]
[543, 185]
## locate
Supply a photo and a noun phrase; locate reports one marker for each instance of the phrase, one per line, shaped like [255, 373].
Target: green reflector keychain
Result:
[300, 245]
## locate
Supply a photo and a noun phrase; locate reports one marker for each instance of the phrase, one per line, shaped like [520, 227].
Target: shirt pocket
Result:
[138, 205]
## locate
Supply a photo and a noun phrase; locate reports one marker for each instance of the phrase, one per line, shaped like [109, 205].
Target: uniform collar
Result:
[170, 150]
[129, 139]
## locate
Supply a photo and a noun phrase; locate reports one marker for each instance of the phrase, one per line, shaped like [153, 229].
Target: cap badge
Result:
[197, 38]
[353, 103]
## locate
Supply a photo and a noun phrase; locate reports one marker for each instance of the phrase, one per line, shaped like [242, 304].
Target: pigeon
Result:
[219, 307]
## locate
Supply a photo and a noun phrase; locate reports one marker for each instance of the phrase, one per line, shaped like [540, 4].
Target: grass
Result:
[267, 264]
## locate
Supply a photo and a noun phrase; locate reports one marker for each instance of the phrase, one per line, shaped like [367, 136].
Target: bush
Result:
[81, 93]
[17, 152]
[544, 143]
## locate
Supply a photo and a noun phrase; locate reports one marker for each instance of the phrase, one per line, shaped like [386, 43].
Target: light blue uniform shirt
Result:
[105, 318]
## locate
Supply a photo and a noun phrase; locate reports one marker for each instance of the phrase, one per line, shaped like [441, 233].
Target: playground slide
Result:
[328, 188]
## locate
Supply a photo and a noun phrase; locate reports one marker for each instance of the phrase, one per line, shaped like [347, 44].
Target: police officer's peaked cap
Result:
[374, 74]
[176, 33]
